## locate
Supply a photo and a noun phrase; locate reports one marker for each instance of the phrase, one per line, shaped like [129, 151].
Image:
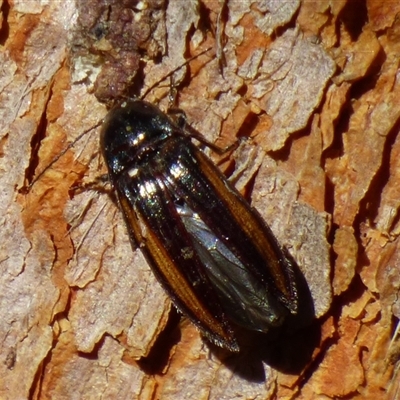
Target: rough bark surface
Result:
[315, 87]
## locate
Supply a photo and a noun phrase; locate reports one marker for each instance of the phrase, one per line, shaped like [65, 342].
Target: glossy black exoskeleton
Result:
[213, 254]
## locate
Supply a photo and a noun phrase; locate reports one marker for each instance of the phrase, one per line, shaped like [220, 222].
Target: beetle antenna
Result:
[59, 155]
[188, 61]
[78, 138]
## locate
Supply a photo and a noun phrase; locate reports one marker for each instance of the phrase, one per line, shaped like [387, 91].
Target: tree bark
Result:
[312, 85]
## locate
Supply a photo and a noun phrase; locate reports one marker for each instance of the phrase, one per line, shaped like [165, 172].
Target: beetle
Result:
[211, 251]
